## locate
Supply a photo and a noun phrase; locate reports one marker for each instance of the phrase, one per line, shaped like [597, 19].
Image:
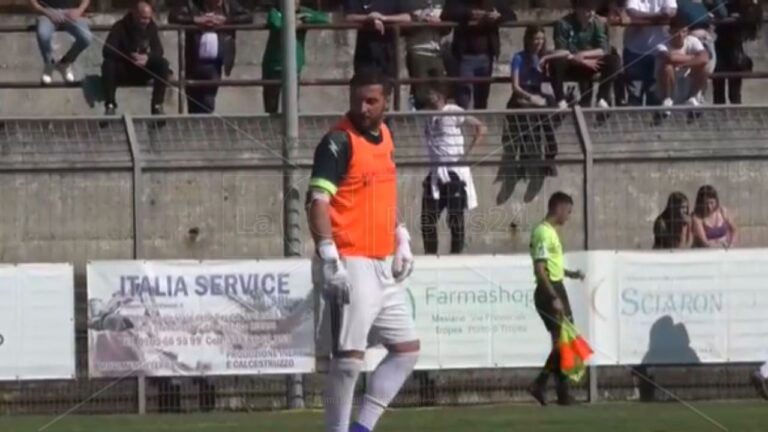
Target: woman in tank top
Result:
[712, 226]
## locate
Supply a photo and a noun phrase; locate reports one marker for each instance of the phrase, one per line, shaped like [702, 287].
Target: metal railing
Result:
[204, 187]
[182, 83]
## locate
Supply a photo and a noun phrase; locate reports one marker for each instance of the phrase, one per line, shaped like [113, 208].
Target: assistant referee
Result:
[550, 297]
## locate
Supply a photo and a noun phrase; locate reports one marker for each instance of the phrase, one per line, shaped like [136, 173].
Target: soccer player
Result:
[352, 206]
[550, 297]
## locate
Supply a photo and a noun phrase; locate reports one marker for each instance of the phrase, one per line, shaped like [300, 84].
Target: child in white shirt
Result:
[448, 185]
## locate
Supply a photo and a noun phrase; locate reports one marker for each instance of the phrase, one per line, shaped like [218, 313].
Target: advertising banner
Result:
[37, 323]
[165, 318]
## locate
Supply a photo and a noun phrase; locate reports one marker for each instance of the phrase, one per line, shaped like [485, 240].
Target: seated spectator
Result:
[585, 37]
[681, 67]
[698, 16]
[713, 227]
[272, 63]
[729, 47]
[640, 44]
[613, 12]
[133, 55]
[208, 49]
[375, 45]
[527, 70]
[522, 132]
[64, 15]
[423, 53]
[447, 186]
[672, 228]
[476, 44]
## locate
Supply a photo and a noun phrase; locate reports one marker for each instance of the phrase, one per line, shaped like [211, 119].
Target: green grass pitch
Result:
[622, 417]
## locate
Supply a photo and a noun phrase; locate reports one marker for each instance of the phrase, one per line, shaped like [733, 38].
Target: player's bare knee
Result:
[411, 347]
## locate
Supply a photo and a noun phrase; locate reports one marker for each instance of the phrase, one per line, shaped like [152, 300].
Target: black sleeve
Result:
[155, 45]
[113, 46]
[331, 161]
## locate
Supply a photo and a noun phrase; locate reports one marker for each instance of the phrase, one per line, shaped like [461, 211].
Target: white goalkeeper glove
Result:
[402, 264]
[335, 276]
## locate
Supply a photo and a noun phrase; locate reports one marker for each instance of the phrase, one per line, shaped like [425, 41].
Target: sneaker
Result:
[47, 77]
[668, 102]
[760, 385]
[65, 69]
[563, 105]
[110, 109]
[602, 103]
[157, 110]
[693, 101]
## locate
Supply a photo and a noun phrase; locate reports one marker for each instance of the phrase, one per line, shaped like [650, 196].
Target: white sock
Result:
[764, 370]
[385, 382]
[339, 393]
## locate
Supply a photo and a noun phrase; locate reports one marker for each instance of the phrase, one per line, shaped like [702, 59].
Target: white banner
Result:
[683, 308]
[37, 325]
[194, 318]
[479, 312]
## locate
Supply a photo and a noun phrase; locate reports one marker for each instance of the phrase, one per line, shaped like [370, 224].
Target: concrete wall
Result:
[329, 56]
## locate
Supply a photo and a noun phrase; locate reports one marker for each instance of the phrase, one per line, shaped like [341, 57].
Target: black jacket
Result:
[185, 11]
[126, 37]
[461, 11]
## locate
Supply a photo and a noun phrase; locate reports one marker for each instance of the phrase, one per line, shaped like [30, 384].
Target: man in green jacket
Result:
[272, 64]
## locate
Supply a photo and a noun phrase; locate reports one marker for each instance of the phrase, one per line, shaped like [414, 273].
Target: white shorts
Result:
[378, 312]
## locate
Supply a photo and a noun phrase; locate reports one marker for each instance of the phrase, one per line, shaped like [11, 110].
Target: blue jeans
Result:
[640, 73]
[78, 29]
[474, 66]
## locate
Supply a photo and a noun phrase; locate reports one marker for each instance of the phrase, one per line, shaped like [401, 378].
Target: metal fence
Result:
[79, 189]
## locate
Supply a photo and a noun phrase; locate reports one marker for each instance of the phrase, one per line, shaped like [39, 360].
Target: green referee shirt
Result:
[546, 246]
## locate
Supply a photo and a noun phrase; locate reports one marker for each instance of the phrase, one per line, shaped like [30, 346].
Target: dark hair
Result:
[705, 193]
[678, 22]
[583, 4]
[557, 199]
[674, 222]
[530, 33]
[371, 76]
[751, 13]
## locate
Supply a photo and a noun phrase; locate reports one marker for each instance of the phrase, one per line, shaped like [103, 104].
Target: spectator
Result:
[681, 67]
[527, 70]
[729, 47]
[613, 12]
[133, 55]
[476, 44]
[64, 15]
[424, 56]
[447, 185]
[375, 46]
[672, 228]
[522, 132]
[208, 49]
[640, 43]
[712, 225]
[697, 15]
[272, 63]
[585, 37]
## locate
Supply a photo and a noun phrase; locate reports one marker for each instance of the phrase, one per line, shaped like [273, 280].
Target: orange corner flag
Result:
[574, 351]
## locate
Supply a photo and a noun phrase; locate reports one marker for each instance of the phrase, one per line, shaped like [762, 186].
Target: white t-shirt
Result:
[445, 139]
[209, 46]
[691, 46]
[643, 39]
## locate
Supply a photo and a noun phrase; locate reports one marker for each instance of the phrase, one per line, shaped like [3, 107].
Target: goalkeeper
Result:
[352, 204]
[550, 297]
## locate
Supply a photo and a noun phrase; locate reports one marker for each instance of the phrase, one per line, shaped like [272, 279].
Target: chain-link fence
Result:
[85, 189]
